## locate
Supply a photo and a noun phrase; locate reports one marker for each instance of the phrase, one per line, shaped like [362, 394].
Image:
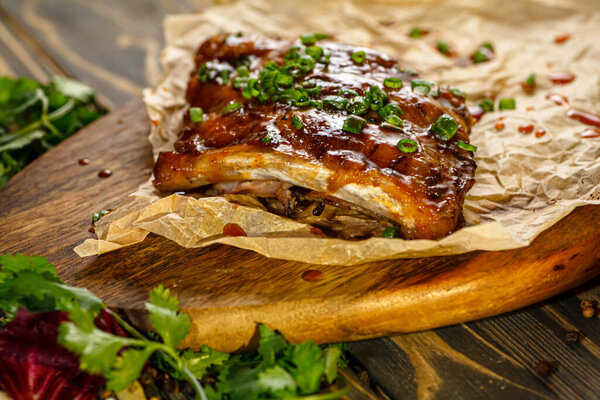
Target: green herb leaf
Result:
[443, 47]
[416, 32]
[72, 88]
[127, 368]
[308, 359]
[276, 378]
[331, 358]
[487, 105]
[166, 319]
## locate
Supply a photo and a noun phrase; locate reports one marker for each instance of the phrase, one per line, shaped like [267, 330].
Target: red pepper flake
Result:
[92, 230]
[526, 128]
[119, 121]
[317, 231]
[233, 230]
[104, 173]
[502, 118]
[165, 89]
[590, 133]
[499, 126]
[530, 108]
[154, 122]
[83, 161]
[312, 275]
[540, 133]
[562, 38]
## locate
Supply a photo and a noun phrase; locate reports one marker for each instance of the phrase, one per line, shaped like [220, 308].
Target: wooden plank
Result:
[225, 292]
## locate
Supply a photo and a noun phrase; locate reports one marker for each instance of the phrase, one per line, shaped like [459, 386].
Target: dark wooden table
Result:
[114, 46]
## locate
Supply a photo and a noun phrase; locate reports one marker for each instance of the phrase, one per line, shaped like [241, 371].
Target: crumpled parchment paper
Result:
[524, 184]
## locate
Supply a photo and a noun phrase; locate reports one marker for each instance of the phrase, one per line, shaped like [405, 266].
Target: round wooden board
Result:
[47, 210]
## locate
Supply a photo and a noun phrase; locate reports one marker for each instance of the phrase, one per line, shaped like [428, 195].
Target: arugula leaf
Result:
[166, 319]
[72, 88]
[36, 117]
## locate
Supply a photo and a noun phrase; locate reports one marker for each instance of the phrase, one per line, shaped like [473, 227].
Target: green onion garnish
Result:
[416, 32]
[375, 97]
[506, 104]
[488, 45]
[483, 53]
[530, 81]
[358, 106]
[284, 80]
[196, 114]
[305, 63]
[390, 109]
[242, 71]
[445, 127]
[466, 146]
[394, 120]
[315, 52]
[479, 57]
[390, 232]
[344, 91]
[239, 82]
[407, 145]
[225, 76]
[297, 122]
[311, 38]
[394, 83]
[233, 107]
[420, 85]
[97, 215]
[336, 101]
[443, 47]
[354, 124]
[266, 139]
[487, 105]
[359, 56]
[458, 93]
[407, 71]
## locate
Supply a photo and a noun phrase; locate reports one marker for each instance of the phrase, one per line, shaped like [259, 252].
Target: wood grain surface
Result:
[493, 358]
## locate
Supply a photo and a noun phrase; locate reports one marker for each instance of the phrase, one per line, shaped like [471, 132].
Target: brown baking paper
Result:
[524, 184]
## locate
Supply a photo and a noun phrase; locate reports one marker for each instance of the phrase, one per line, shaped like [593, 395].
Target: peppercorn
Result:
[589, 312]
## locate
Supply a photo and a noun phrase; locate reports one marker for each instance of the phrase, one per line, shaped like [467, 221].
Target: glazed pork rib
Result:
[313, 125]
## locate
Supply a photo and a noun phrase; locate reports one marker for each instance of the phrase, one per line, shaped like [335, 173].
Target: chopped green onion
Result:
[458, 93]
[196, 114]
[530, 81]
[375, 97]
[443, 47]
[390, 232]
[297, 122]
[315, 52]
[306, 63]
[242, 71]
[232, 107]
[420, 85]
[479, 57]
[445, 127]
[344, 91]
[317, 104]
[390, 109]
[487, 105]
[97, 215]
[489, 46]
[394, 120]
[354, 124]
[336, 101]
[316, 91]
[407, 145]
[311, 38]
[266, 139]
[359, 56]
[506, 104]
[225, 76]
[394, 83]
[292, 95]
[239, 82]
[416, 32]
[407, 71]
[466, 146]
[358, 106]
[251, 89]
[284, 80]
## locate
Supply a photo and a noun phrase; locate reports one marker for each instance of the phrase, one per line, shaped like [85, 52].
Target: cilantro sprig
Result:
[278, 369]
[36, 117]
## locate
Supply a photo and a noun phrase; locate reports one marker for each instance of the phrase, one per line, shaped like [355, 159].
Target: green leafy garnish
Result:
[443, 47]
[416, 32]
[391, 232]
[35, 117]
[487, 105]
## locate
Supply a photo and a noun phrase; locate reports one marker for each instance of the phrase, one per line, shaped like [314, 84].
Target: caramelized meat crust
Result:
[420, 192]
